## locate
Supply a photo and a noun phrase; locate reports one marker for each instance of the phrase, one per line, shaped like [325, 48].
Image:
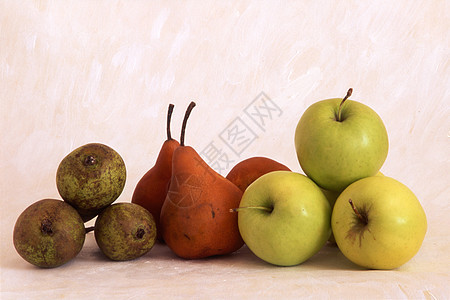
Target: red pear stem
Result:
[356, 211]
[349, 93]
[186, 117]
[169, 117]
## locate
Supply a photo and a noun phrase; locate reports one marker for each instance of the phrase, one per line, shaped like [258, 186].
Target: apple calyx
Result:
[362, 217]
[186, 117]
[268, 209]
[169, 116]
[349, 93]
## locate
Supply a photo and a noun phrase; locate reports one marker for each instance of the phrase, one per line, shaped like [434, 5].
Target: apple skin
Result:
[298, 225]
[396, 223]
[337, 153]
[332, 197]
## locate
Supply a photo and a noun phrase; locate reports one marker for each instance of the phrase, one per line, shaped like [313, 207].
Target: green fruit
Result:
[331, 197]
[90, 178]
[125, 231]
[378, 223]
[49, 233]
[284, 218]
[339, 141]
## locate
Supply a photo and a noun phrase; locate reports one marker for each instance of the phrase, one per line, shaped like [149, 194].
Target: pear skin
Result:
[49, 233]
[90, 178]
[196, 221]
[250, 169]
[151, 190]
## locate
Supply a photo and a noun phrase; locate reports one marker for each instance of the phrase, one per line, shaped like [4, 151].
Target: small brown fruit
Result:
[90, 178]
[125, 231]
[49, 233]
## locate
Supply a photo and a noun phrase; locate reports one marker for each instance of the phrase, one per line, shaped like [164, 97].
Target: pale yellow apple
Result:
[332, 197]
[378, 223]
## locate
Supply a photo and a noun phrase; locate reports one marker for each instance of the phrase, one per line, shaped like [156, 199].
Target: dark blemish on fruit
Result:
[140, 233]
[46, 227]
[90, 160]
[186, 236]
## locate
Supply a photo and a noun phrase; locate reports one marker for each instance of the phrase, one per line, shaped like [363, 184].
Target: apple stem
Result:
[349, 93]
[268, 209]
[186, 117]
[169, 117]
[363, 219]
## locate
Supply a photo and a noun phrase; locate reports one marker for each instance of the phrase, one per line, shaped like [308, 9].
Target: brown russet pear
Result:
[90, 178]
[196, 221]
[151, 190]
[49, 233]
[250, 169]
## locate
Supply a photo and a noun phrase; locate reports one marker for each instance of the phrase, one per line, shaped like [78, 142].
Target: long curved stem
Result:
[169, 117]
[186, 117]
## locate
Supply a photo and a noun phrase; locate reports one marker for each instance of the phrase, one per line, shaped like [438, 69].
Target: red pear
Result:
[196, 221]
[151, 190]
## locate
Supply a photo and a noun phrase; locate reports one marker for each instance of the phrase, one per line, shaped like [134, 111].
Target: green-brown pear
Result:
[90, 178]
[49, 233]
[125, 231]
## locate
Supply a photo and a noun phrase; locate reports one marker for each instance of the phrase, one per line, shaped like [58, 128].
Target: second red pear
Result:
[151, 190]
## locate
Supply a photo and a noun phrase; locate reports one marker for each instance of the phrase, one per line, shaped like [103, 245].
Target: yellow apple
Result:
[378, 223]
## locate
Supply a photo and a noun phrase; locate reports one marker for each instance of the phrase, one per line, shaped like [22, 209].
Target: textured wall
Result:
[73, 72]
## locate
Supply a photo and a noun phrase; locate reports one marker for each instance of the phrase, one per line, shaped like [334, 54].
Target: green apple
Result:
[378, 223]
[332, 197]
[339, 141]
[284, 218]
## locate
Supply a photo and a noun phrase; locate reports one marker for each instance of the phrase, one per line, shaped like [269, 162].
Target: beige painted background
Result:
[73, 72]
